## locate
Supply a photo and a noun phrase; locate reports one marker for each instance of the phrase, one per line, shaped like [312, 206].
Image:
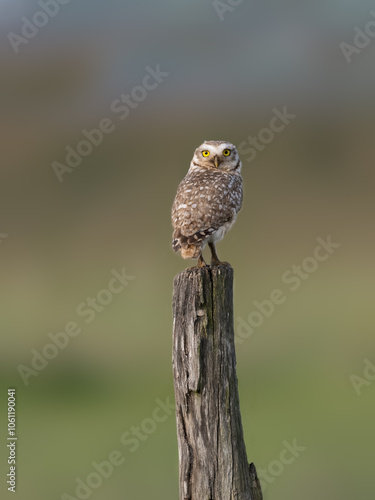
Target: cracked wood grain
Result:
[212, 453]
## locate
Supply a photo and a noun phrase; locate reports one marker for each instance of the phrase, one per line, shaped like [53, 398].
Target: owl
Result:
[208, 200]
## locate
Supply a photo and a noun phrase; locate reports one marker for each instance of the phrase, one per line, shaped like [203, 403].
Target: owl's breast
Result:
[205, 199]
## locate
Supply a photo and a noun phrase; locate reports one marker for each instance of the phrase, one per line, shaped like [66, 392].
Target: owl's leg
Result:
[215, 261]
[201, 262]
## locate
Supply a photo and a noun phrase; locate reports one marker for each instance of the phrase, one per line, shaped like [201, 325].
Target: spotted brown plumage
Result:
[207, 200]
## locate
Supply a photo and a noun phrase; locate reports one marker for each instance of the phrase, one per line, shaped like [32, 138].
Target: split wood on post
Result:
[212, 453]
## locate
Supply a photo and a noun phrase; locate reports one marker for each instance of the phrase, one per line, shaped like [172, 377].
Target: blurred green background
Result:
[113, 211]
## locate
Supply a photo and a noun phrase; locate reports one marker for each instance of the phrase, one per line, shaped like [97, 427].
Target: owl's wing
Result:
[201, 208]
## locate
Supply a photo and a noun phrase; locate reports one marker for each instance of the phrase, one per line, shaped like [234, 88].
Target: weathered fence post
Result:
[212, 453]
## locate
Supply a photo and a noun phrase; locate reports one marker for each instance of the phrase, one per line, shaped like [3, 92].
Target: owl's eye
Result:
[226, 152]
[205, 153]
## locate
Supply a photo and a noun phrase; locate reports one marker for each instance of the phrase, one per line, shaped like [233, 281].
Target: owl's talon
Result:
[217, 262]
[201, 262]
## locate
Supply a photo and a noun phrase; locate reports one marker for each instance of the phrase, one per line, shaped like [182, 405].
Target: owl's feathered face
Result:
[220, 155]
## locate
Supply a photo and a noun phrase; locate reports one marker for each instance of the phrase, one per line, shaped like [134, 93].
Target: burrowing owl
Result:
[207, 200]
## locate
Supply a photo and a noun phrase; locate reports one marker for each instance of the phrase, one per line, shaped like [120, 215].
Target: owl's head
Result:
[220, 155]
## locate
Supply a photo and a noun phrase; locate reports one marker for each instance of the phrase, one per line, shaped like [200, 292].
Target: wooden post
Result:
[212, 453]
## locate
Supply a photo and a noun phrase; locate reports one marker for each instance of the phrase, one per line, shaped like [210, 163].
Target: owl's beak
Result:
[216, 161]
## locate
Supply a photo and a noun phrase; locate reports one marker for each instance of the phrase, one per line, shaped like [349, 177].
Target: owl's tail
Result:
[191, 252]
[189, 249]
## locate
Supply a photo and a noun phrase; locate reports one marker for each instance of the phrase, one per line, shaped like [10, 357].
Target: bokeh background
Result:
[316, 178]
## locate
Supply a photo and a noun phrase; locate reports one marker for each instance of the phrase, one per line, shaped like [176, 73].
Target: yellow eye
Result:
[226, 152]
[205, 153]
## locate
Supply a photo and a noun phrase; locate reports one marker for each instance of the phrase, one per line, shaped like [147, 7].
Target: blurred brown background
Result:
[314, 179]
